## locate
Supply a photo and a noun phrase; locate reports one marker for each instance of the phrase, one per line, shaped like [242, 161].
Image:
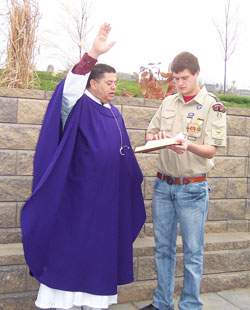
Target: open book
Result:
[153, 145]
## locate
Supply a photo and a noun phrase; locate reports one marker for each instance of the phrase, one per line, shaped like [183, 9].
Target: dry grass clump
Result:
[23, 23]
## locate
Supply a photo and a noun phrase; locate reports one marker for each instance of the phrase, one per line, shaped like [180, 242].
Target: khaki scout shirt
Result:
[202, 120]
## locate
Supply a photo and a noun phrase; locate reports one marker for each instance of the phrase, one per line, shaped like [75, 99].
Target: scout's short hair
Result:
[98, 72]
[185, 60]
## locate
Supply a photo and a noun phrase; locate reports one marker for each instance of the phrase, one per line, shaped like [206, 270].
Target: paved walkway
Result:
[225, 300]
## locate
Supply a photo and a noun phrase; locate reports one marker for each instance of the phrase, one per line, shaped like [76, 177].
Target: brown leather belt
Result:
[185, 180]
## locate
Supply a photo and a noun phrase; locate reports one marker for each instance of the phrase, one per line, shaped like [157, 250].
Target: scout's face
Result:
[186, 82]
[104, 89]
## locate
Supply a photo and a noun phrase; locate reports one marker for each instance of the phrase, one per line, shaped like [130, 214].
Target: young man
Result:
[181, 192]
[86, 207]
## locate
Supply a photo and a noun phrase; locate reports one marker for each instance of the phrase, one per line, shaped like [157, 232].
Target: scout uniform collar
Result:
[199, 98]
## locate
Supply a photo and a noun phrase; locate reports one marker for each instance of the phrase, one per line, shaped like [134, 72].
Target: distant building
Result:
[243, 92]
[125, 76]
[211, 88]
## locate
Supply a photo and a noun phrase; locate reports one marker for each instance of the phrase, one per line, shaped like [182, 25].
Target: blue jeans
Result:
[188, 205]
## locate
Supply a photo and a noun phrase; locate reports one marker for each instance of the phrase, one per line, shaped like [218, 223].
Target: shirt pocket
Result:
[194, 130]
[167, 121]
[218, 131]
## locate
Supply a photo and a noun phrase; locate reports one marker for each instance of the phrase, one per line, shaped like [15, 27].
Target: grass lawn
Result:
[236, 105]
[48, 81]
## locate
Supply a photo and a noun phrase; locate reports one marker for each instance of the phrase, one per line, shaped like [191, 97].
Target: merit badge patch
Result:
[219, 132]
[192, 129]
[200, 121]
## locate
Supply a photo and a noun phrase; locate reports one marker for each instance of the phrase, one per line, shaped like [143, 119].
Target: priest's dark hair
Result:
[98, 71]
[185, 60]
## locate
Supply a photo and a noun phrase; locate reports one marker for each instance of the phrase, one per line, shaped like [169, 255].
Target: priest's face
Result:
[104, 89]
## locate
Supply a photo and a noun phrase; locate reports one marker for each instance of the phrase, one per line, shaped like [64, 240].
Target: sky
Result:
[155, 31]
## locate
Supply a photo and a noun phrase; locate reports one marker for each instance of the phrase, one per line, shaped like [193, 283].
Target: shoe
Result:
[149, 307]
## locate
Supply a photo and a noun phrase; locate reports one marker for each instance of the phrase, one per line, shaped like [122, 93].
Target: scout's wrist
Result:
[189, 145]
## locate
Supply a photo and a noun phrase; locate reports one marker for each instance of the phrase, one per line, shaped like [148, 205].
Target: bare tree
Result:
[23, 18]
[228, 30]
[76, 25]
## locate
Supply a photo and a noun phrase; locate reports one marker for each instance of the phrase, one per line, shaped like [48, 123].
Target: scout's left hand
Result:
[179, 148]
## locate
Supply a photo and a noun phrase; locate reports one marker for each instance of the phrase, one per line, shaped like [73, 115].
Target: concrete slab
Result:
[239, 298]
[141, 304]
[215, 302]
[126, 306]
[225, 300]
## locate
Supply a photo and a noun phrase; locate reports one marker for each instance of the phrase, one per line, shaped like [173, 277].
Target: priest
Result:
[86, 207]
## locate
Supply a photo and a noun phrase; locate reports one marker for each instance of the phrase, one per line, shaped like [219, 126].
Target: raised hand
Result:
[100, 45]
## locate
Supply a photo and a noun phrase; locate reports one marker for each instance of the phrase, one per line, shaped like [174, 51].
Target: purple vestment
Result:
[86, 207]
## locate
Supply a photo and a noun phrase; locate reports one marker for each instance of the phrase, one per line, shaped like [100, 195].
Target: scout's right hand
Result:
[157, 136]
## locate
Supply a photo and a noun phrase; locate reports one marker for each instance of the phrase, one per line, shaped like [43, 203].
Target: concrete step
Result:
[224, 253]
[11, 254]
[229, 299]
[10, 235]
[211, 227]
[14, 235]
[18, 301]
[226, 266]
[14, 273]
[143, 290]
[137, 291]
[213, 242]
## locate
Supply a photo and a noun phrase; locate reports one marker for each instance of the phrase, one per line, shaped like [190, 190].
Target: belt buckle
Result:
[169, 180]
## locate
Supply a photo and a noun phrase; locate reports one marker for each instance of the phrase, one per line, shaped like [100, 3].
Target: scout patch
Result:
[219, 132]
[190, 114]
[219, 108]
[217, 141]
[192, 129]
[199, 106]
[189, 119]
[191, 138]
[200, 121]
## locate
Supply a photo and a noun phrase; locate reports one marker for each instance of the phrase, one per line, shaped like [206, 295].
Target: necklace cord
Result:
[117, 124]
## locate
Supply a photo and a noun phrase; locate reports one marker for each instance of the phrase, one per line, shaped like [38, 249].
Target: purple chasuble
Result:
[86, 207]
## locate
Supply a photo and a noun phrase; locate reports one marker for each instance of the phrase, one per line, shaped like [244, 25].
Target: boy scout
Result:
[181, 193]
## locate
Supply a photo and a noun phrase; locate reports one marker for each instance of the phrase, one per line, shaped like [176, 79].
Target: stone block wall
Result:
[21, 115]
